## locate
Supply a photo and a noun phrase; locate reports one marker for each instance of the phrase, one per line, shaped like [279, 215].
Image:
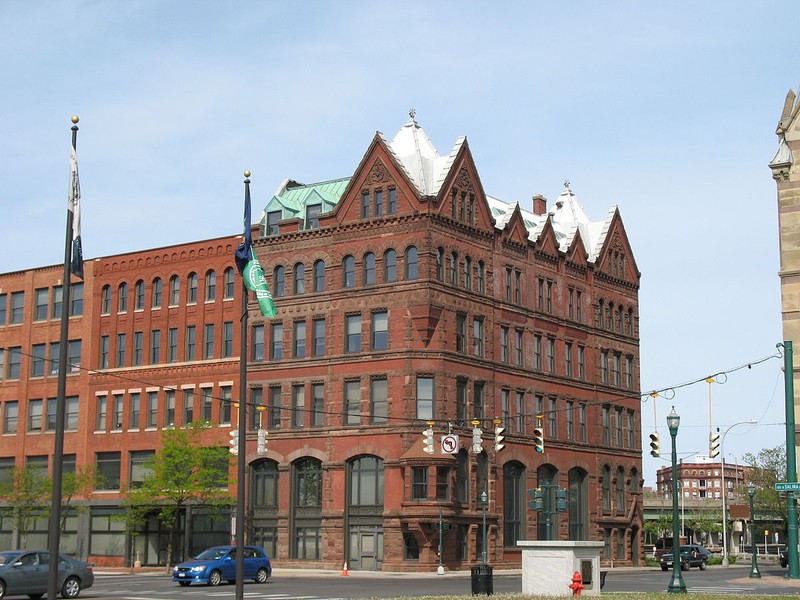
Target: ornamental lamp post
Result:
[676, 584]
[484, 499]
[754, 572]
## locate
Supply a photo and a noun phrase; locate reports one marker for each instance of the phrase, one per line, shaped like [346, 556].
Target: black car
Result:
[27, 571]
[692, 555]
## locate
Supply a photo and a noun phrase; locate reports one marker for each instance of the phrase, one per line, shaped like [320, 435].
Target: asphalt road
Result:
[317, 585]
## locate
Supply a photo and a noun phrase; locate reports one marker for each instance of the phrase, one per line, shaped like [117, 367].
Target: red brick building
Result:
[407, 298]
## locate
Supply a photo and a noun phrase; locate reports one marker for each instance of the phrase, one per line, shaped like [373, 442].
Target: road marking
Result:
[719, 590]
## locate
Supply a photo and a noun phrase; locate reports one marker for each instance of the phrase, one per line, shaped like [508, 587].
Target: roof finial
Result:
[412, 113]
[566, 183]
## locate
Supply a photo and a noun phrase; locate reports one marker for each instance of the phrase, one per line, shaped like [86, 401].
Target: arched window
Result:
[578, 505]
[513, 503]
[547, 475]
[366, 481]
[105, 302]
[349, 272]
[227, 282]
[369, 269]
[279, 282]
[306, 534]
[601, 314]
[157, 291]
[319, 276]
[620, 489]
[122, 297]
[191, 292]
[633, 487]
[138, 295]
[389, 266]
[412, 263]
[454, 268]
[440, 264]
[468, 272]
[174, 290]
[606, 488]
[264, 483]
[480, 277]
[299, 279]
[211, 286]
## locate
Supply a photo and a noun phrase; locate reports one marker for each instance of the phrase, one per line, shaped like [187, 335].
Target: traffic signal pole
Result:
[791, 462]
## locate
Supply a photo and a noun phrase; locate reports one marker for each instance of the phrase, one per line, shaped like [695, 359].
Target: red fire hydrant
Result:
[577, 584]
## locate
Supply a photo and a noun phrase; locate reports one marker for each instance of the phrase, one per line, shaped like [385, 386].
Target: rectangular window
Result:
[108, 469]
[298, 406]
[571, 303]
[58, 302]
[272, 222]
[618, 427]
[37, 359]
[352, 402]
[318, 326]
[478, 400]
[74, 356]
[425, 398]
[206, 404]
[419, 483]
[169, 408]
[604, 366]
[582, 423]
[378, 203]
[120, 356]
[105, 346]
[392, 206]
[520, 408]
[461, 333]
[42, 303]
[155, 346]
[118, 411]
[274, 409]
[135, 409]
[14, 366]
[138, 461]
[518, 288]
[379, 401]
[317, 405]
[17, 307]
[225, 404]
[256, 401]
[138, 348]
[606, 416]
[570, 416]
[540, 294]
[380, 330]
[3, 309]
[188, 406]
[208, 341]
[443, 484]
[578, 306]
[172, 344]
[581, 363]
[71, 414]
[257, 343]
[101, 414]
[615, 370]
[152, 409]
[504, 343]
[276, 350]
[518, 348]
[50, 406]
[191, 342]
[461, 398]
[76, 300]
[34, 415]
[552, 420]
[299, 343]
[568, 359]
[551, 356]
[508, 284]
[312, 215]
[537, 352]
[353, 333]
[629, 372]
[550, 297]
[10, 416]
[227, 339]
[364, 205]
[477, 337]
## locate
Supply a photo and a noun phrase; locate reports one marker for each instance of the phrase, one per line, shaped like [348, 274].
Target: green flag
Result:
[255, 281]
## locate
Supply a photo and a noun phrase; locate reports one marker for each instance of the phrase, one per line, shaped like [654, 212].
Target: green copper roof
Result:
[293, 198]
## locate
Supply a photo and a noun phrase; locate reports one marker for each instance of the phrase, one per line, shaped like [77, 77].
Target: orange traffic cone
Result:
[344, 570]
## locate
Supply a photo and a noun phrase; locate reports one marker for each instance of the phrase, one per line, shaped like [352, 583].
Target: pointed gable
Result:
[577, 255]
[547, 242]
[615, 256]
[461, 196]
[515, 231]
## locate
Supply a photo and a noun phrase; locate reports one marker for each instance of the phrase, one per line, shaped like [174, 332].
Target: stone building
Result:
[407, 299]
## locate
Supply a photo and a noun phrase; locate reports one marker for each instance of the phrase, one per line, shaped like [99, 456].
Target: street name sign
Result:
[788, 487]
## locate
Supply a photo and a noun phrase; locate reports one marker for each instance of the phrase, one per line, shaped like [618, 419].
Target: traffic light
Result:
[655, 445]
[561, 499]
[713, 444]
[498, 438]
[261, 448]
[477, 440]
[538, 440]
[428, 437]
[536, 499]
[234, 441]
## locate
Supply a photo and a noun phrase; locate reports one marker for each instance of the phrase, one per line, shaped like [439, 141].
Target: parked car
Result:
[28, 572]
[692, 555]
[784, 557]
[214, 564]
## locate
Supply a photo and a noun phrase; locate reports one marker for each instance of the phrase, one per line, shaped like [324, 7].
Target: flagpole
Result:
[242, 456]
[54, 532]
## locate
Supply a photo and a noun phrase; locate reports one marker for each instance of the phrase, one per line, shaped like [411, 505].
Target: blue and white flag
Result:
[74, 206]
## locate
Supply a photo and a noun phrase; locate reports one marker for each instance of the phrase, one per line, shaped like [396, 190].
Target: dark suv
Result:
[692, 555]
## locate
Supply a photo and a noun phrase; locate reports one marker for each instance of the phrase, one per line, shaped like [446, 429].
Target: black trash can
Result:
[482, 580]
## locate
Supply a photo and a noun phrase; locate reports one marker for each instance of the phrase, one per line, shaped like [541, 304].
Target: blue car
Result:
[214, 564]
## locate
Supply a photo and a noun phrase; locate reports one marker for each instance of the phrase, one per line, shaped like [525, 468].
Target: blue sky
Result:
[666, 109]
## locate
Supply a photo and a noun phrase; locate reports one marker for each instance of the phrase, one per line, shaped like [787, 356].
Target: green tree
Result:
[182, 472]
[27, 495]
[662, 526]
[79, 484]
[767, 468]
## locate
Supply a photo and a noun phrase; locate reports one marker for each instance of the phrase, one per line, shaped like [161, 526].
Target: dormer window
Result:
[312, 216]
[272, 222]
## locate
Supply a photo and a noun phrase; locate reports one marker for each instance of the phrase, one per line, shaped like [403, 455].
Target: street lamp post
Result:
[676, 584]
[484, 499]
[754, 572]
[725, 562]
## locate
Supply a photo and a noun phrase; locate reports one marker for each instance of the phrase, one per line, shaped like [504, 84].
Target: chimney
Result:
[539, 204]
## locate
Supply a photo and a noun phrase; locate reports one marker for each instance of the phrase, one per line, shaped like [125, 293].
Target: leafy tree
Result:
[27, 495]
[767, 468]
[182, 472]
[662, 526]
[79, 484]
